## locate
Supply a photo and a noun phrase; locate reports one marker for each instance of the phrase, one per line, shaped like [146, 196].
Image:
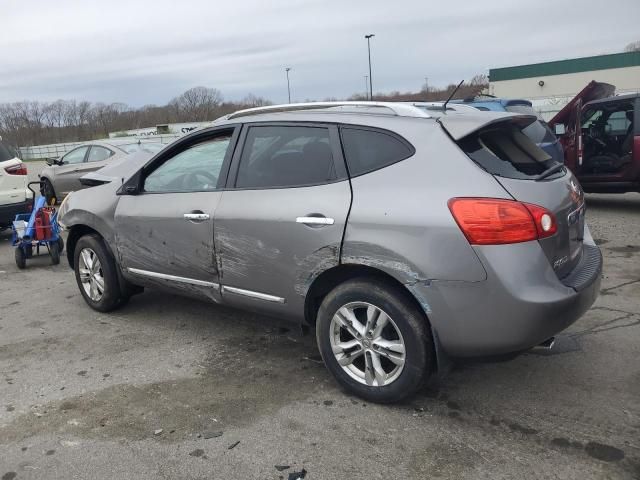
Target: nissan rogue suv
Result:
[400, 237]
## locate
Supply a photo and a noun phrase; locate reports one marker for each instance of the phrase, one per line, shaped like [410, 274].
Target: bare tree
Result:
[197, 104]
[633, 47]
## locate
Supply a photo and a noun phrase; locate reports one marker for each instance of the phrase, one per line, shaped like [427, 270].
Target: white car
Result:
[15, 197]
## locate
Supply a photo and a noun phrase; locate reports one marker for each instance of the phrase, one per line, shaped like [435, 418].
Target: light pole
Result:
[368, 37]
[288, 84]
[366, 86]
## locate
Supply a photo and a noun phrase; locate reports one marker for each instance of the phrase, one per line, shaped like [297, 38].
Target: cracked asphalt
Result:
[172, 388]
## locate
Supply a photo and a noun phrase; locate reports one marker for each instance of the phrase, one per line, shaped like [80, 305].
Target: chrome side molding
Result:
[173, 278]
[201, 283]
[249, 293]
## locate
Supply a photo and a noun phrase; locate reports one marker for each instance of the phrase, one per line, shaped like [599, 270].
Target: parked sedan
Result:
[399, 237]
[62, 175]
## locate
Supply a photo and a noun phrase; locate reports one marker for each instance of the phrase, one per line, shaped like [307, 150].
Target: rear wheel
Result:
[374, 340]
[96, 276]
[60, 244]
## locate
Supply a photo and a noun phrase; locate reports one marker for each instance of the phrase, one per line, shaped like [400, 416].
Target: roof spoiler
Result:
[460, 126]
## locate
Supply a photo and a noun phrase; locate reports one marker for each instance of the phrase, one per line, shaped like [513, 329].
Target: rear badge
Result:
[560, 262]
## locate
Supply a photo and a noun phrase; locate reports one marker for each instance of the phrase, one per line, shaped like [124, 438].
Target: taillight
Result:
[19, 169]
[493, 221]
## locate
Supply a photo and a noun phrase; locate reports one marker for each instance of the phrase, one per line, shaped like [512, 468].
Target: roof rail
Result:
[381, 108]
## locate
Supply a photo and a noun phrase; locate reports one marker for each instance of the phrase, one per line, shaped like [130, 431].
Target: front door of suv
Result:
[281, 219]
[164, 230]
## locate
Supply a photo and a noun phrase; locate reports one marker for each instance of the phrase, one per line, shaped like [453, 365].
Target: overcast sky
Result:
[148, 51]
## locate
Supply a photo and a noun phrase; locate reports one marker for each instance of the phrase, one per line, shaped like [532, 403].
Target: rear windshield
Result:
[149, 147]
[506, 152]
[538, 131]
[6, 152]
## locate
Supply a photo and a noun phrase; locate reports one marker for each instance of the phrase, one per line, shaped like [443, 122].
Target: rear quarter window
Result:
[367, 150]
[506, 152]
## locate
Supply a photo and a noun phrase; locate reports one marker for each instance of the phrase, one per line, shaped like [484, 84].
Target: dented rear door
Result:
[281, 219]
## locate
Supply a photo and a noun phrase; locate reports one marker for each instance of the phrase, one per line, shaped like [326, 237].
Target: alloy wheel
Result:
[367, 344]
[91, 275]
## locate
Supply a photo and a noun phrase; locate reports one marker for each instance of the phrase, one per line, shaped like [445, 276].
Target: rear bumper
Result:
[521, 304]
[8, 212]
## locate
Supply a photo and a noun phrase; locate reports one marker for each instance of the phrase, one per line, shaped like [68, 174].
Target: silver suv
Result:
[400, 236]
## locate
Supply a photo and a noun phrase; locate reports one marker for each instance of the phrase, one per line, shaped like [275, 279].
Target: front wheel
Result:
[21, 258]
[47, 191]
[374, 340]
[54, 251]
[96, 276]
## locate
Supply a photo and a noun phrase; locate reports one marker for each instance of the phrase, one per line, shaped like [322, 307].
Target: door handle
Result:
[315, 220]
[196, 216]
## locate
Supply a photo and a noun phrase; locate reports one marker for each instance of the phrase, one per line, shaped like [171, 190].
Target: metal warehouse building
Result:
[550, 85]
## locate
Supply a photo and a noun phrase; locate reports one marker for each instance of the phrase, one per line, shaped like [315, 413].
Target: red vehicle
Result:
[600, 134]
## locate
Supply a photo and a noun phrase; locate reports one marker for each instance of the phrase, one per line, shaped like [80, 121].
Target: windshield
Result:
[538, 131]
[6, 152]
[148, 147]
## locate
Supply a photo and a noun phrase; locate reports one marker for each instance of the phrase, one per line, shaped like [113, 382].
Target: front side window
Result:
[75, 156]
[369, 150]
[286, 156]
[195, 169]
[98, 154]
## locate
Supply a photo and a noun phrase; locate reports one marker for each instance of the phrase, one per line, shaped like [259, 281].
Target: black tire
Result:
[21, 258]
[48, 192]
[28, 250]
[111, 298]
[60, 244]
[409, 320]
[54, 251]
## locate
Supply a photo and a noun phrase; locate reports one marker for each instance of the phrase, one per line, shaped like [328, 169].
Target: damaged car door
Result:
[164, 219]
[281, 219]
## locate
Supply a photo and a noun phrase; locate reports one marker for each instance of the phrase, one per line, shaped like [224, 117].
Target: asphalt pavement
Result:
[169, 387]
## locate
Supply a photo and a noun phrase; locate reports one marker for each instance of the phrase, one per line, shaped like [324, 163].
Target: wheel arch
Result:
[331, 278]
[75, 233]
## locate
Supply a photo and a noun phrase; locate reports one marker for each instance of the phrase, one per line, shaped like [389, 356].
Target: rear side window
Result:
[506, 152]
[369, 150]
[286, 156]
[98, 154]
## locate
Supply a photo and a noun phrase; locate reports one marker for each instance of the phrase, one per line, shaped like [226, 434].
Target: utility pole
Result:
[368, 37]
[288, 84]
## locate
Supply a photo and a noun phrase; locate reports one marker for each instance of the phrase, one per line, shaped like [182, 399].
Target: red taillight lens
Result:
[19, 169]
[493, 221]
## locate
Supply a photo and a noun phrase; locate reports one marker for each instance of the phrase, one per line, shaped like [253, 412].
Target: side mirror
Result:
[559, 129]
[50, 161]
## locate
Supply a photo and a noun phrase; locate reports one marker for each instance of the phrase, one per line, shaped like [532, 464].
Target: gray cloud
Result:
[149, 51]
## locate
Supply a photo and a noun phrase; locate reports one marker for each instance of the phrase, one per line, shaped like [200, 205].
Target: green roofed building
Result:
[550, 85]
